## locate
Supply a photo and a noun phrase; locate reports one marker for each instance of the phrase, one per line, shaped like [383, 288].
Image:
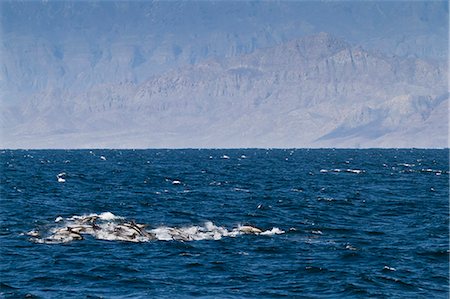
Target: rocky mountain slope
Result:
[317, 91]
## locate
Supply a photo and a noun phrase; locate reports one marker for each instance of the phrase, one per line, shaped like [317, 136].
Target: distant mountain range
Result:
[316, 91]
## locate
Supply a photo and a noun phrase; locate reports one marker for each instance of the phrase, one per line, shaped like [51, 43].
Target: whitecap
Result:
[108, 216]
[273, 231]
[406, 164]
[103, 216]
[162, 234]
[350, 247]
[320, 198]
[357, 171]
[61, 177]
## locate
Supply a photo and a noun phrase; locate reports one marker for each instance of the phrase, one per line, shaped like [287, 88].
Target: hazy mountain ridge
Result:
[64, 45]
[310, 92]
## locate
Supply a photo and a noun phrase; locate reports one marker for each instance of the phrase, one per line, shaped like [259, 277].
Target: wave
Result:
[107, 226]
[348, 170]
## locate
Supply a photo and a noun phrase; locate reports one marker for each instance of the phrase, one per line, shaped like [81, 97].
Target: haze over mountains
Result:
[258, 81]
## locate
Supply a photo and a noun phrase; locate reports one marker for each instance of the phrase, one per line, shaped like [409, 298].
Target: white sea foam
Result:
[406, 164]
[436, 171]
[273, 231]
[357, 171]
[107, 226]
[350, 247]
[108, 216]
[60, 177]
[103, 216]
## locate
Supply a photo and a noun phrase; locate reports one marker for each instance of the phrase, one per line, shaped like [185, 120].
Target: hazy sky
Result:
[356, 21]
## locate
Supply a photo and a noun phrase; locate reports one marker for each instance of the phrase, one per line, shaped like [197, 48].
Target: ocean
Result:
[241, 223]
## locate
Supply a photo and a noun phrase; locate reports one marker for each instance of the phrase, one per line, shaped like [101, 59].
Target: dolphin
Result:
[89, 220]
[33, 233]
[248, 229]
[65, 235]
[139, 228]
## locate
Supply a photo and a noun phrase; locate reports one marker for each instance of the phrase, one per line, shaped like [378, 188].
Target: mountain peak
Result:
[319, 45]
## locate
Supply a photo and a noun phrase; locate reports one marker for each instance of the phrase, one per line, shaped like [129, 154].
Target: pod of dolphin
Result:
[107, 226]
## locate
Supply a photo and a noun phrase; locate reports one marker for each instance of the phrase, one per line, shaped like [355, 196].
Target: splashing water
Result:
[107, 226]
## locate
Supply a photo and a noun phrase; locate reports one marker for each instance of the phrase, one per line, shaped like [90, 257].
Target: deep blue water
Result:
[357, 223]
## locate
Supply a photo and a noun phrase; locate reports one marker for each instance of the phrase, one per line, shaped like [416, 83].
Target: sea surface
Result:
[243, 223]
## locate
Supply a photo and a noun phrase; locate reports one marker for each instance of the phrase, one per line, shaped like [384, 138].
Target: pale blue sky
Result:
[356, 21]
